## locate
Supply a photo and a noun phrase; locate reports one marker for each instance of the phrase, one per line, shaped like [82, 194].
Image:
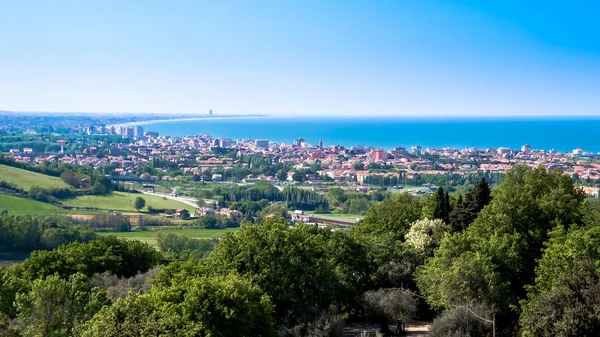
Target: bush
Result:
[119, 287]
[459, 322]
[390, 305]
[329, 324]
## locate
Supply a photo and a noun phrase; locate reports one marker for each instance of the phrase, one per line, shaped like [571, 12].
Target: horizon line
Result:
[279, 115]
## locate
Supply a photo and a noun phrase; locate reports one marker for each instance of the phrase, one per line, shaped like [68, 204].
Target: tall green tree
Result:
[442, 205]
[218, 306]
[139, 203]
[304, 270]
[466, 211]
[54, 305]
[495, 258]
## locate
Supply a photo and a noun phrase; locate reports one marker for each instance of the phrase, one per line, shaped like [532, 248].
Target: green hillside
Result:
[121, 201]
[19, 206]
[26, 179]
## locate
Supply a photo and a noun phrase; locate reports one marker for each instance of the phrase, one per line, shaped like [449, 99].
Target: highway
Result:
[186, 200]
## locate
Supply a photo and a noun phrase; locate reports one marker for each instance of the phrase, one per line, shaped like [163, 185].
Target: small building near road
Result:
[182, 213]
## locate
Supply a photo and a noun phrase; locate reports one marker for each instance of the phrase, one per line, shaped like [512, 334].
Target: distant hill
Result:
[24, 179]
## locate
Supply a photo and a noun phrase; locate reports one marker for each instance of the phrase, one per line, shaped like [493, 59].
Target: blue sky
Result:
[400, 58]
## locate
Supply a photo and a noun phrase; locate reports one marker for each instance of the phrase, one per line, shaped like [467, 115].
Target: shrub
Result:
[459, 322]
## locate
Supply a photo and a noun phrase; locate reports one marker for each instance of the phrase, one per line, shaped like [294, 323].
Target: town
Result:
[208, 158]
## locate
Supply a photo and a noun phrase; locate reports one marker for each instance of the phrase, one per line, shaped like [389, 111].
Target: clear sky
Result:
[304, 57]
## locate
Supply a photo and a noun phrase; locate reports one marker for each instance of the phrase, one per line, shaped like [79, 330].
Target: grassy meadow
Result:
[21, 206]
[24, 179]
[150, 236]
[122, 201]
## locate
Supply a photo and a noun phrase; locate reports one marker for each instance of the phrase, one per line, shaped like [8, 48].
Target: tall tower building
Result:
[321, 144]
[210, 113]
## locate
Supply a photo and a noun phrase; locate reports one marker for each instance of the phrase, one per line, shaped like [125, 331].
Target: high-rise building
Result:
[298, 142]
[223, 142]
[379, 155]
[261, 143]
[210, 113]
[138, 131]
[526, 148]
[321, 144]
[128, 132]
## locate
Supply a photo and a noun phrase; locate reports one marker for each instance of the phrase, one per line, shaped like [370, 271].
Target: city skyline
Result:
[301, 58]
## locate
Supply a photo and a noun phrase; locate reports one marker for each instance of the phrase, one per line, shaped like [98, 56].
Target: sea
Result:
[561, 134]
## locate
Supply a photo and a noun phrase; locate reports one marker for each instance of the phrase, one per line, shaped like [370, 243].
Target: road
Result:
[186, 200]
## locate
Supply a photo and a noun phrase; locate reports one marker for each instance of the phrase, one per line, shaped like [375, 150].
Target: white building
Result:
[261, 143]
[526, 148]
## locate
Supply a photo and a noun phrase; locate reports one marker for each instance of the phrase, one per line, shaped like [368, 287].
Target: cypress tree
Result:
[448, 208]
[480, 195]
[467, 209]
[440, 211]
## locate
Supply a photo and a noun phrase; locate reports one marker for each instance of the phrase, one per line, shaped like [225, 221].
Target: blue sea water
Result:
[542, 133]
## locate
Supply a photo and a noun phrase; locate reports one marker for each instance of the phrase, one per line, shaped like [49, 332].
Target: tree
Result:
[299, 177]
[358, 165]
[218, 306]
[425, 235]
[54, 305]
[467, 209]
[304, 270]
[281, 175]
[139, 203]
[481, 195]
[458, 321]
[390, 305]
[570, 308]
[495, 257]
[565, 298]
[118, 256]
[393, 215]
[442, 205]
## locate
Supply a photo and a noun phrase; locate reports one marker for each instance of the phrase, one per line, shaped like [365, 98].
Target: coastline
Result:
[155, 121]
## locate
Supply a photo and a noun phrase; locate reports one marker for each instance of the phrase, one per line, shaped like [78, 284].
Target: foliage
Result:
[328, 324]
[390, 305]
[118, 256]
[184, 246]
[571, 307]
[393, 215]
[120, 287]
[216, 222]
[467, 209]
[139, 203]
[29, 233]
[330, 267]
[217, 306]
[54, 305]
[494, 259]
[459, 322]
[442, 207]
[425, 235]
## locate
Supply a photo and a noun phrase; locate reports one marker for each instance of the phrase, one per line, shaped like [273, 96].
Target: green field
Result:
[150, 236]
[26, 179]
[121, 201]
[339, 216]
[20, 206]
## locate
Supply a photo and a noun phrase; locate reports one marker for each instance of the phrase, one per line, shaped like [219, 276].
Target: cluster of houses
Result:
[196, 154]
